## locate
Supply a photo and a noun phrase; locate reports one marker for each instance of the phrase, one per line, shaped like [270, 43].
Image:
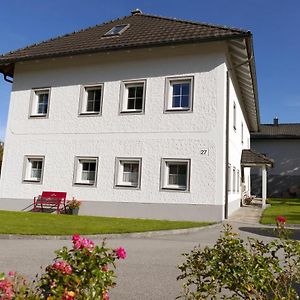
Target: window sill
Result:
[38, 116]
[85, 184]
[127, 186]
[175, 189]
[32, 181]
[132, 111]
[90, 114]
[176, 110]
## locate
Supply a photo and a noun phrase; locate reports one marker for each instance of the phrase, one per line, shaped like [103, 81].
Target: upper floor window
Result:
[40, 102]
[228, 177]
[234, 116]
[33, 169]
[175, 174]
[179, 94]
[234, 179]
[133, 97]
[91, 100]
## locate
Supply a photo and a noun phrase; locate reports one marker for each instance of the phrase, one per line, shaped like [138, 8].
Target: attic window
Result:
[117, 30]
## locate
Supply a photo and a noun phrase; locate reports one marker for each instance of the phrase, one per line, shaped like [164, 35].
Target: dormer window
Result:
[117, 30]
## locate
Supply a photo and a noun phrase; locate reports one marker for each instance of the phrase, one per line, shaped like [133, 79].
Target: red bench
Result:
[50, 199]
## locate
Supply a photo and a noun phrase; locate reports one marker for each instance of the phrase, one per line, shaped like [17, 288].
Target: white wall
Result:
[152, 136]
[236, 145]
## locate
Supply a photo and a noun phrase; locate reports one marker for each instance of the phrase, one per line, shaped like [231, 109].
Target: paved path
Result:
[149, 272]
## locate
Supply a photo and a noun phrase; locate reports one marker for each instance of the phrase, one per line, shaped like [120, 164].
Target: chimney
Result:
[275, 121]
[136, 12]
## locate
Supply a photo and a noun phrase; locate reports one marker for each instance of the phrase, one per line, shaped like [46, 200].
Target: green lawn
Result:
[288, 208]
[50, 224]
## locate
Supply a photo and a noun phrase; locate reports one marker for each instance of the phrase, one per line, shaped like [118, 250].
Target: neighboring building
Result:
[142, 116]
[281, 142]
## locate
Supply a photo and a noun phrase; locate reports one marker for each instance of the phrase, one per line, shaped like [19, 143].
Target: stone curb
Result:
[147, 234]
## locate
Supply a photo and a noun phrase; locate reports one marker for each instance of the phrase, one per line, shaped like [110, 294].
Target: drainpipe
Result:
[226, 147]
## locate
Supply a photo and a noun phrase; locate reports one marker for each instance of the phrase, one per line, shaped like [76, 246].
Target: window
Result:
[128, 171]
[117, 30]
[175, 174]
[229, 177]
[234, 179]
[85, 171]
[234, 116]
[238, 181]
[91, 100]
[33, 171]
[179, 94]
[40, 102]
[242, 133]
[133, 97]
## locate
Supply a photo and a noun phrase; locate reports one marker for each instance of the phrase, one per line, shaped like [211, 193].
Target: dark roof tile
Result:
[144, 30]
[280, 131]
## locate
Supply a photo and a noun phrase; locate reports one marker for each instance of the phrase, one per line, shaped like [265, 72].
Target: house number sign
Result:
[203, 151]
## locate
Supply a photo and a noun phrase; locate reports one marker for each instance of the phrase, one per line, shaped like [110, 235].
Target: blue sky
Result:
[275, 25]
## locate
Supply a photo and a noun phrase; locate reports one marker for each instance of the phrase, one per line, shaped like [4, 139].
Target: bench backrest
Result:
[57, 195]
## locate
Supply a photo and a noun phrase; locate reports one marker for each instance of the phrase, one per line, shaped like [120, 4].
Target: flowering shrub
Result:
[73, 203]
[14, 286]
[239, 270]
[83, 272]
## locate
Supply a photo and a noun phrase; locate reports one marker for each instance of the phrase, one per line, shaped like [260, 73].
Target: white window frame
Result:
[119, 172]
[242, 133]
[238, 181]
[233, 179]
[170, 81]
[229, 180]
[124, 95]
[234, 115]
[77, 178]
[164, 182]
[84, 99]
[110, 31]
[34, 102]
[27, 170]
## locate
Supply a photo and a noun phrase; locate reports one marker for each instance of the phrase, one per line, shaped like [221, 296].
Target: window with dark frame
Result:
[42, 105]
[85, 171]
[93, 99]
[33, 171]
[39, 103]
[180, 95]
[88, 171]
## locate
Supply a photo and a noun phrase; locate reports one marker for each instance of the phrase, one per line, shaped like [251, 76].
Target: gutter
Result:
[5, 77]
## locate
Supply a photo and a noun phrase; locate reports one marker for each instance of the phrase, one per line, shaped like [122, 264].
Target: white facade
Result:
[64, 135]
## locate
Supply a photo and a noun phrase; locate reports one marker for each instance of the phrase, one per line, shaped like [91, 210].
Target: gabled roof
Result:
[252, 158]
[278, 131]
[144, 31]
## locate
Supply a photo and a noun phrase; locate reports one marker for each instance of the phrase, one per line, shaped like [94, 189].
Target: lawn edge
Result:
[108, 235]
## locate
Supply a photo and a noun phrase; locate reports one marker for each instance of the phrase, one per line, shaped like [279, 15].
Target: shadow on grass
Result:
[270, 232]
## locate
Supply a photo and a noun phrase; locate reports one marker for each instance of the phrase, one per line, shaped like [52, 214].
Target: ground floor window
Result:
[175, 174]
[33, 169]
[128, 172]
[86, 170]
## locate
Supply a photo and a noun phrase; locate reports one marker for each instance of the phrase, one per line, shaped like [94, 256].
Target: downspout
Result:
[226, 146]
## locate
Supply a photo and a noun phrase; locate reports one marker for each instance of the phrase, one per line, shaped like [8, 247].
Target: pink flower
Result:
[105, 295]
[281, 219]
[63, 267]
[77, 245]
[11, 274]
[76, 237]
[121, 253]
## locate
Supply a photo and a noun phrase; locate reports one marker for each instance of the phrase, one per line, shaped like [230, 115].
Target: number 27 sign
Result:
[203, 151]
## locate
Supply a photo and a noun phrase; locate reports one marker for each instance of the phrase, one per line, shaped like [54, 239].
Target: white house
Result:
[281, 142]
[143, 116]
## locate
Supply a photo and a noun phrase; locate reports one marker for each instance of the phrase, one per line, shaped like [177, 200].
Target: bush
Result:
[235, 269]
[82, 272]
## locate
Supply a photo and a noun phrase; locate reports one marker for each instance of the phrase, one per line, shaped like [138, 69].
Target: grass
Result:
[288, 208]
[50, 224]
